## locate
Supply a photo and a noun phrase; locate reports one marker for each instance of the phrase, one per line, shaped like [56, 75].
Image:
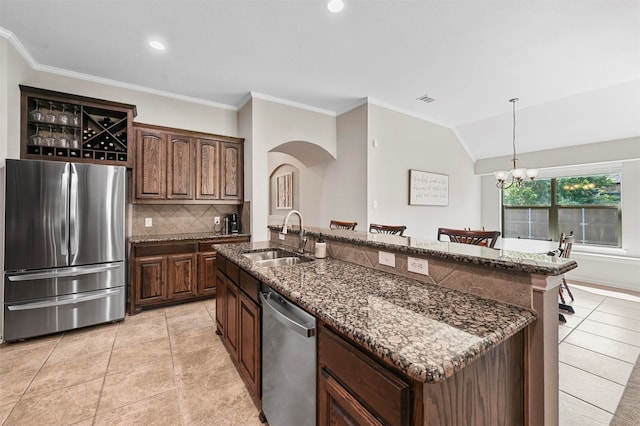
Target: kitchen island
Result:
[464, 357]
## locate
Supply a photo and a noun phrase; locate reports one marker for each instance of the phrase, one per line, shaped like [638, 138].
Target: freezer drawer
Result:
[50, 315]
[60, 281]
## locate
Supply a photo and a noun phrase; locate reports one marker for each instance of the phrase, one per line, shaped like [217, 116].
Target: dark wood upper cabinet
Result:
[180, 168]
[59, 126]
[150, 167]
[207, 169]
[197, 168]
[231, 171]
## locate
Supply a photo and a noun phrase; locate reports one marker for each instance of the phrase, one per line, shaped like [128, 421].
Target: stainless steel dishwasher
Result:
[288, 362]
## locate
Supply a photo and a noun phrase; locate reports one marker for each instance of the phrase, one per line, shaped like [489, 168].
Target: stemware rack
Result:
[96, 131]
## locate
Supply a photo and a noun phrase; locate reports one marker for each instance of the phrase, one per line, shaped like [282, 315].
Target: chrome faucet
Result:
[303, 239]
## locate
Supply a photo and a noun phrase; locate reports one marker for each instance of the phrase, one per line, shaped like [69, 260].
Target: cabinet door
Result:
[179, 168]
[150, 180]
[221, 302]
[207, 170]
[207, 274]
[149, 283]
[231, 171]
[232, 302]
[249, 342]
[336, 406]
[182, 274]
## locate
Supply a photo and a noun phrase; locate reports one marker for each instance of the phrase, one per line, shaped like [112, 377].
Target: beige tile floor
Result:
[167, 367]
[160, 367]
[599, 346]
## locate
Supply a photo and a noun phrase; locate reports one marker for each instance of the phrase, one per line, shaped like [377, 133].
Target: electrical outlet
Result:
[148, 222]
[419, 266]
[281, 236]
[216, 220]
[386, 258]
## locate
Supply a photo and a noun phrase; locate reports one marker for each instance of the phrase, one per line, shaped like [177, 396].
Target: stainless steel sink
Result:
[281, 261]
[275, 257]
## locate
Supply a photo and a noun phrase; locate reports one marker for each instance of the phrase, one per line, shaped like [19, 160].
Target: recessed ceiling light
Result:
[335, 6]
[157, 45]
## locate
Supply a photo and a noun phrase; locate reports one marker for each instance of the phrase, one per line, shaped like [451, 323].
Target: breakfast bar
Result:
[465, 349]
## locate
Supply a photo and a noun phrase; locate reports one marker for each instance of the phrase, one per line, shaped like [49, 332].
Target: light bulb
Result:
[335, 6]
[156, 45]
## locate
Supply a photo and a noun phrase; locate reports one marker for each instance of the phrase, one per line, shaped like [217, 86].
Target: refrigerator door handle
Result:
[64, 231]
[67, 272]
[73, 213]
[66, 301]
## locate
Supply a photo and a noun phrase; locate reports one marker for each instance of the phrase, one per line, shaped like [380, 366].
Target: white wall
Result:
[344, 187]
[403, 143]
[274, 124]
[615, 268]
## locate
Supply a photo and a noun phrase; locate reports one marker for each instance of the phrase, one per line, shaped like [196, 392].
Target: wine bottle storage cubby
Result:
[66, 127]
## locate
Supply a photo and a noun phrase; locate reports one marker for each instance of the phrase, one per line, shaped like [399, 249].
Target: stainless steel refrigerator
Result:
[64, 263]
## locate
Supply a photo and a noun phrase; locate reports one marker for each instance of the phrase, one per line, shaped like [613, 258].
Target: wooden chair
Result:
[336, 224]
[387, 229]
[466, 236]
[564, 247]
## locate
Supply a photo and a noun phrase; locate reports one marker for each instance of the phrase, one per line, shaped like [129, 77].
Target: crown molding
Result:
[262, 96]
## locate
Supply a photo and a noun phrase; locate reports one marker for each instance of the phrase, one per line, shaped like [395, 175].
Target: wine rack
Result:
[63, 127]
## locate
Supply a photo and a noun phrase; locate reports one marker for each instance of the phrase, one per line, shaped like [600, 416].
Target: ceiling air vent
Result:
[425, 98]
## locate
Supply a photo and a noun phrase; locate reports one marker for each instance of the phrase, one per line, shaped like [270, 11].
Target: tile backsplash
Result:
[179, 219]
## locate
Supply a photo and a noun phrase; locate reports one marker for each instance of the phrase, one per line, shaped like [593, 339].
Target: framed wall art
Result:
[284, 196]
[428, 189]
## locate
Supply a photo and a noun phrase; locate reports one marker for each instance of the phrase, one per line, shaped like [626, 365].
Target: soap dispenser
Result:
[321, 248]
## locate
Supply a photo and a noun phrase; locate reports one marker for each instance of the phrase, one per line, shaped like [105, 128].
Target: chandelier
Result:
[515, 175]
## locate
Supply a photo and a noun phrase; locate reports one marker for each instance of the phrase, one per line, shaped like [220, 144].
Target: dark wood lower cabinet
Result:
[238, 321]
[249, 344]
[181, 271]
[174, 271]
[355, 389]
[150, 274]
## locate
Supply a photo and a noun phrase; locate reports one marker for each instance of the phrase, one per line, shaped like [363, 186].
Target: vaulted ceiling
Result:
[575, 65]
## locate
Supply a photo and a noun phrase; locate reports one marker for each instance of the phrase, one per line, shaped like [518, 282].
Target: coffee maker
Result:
[233, 225]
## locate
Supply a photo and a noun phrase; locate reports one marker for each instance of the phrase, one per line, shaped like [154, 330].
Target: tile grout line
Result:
[33, 378]
[592, 373]
[106, 370]
[173, 372]
[590, 403]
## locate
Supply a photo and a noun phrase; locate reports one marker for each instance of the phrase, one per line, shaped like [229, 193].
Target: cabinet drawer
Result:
[233, 272]
[206, 246]
[381, 391]
[250, 285]
[166, 248]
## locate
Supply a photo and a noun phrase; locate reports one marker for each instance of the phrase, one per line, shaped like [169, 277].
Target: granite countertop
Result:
[534, 263]
[182, 237]
[427, 331]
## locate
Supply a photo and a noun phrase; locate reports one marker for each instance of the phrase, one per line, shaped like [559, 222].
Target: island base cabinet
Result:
[337, 406]
[489, 391]
[238, 321]
[355, 389]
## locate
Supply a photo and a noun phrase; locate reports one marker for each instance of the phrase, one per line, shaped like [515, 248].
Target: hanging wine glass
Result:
[50, 115]
[75, 140]
[63, 117]
[63, 139]
[50, 140]
[75, 118]
[36, 138]
[35, 114]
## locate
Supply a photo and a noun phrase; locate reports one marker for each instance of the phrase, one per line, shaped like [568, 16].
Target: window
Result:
[588, 206]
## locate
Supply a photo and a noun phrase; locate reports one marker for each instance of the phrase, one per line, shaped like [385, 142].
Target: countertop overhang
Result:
[184, 237]
[427, 331]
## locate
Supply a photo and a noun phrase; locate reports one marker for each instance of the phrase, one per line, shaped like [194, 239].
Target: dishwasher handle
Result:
[284, 319]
